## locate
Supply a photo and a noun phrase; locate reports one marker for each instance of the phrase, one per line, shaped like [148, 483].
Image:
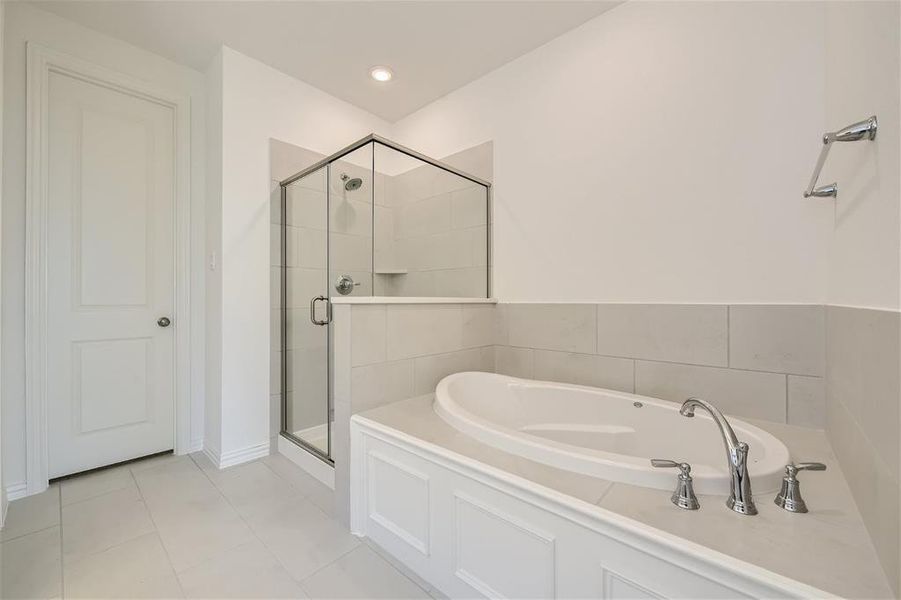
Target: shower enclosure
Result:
[374, 219]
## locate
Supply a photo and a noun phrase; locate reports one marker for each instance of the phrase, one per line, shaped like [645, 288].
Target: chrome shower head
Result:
[351, 184]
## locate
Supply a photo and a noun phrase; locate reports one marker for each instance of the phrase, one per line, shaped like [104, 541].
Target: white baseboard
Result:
[196, 446]
[14, 491]
[236, 457]
[212, 454]
[306, 461]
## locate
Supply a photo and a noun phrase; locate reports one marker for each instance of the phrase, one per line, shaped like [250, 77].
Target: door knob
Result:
[163, 322]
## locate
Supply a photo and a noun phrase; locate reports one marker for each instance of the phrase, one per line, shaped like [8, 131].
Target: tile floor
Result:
[176, 527]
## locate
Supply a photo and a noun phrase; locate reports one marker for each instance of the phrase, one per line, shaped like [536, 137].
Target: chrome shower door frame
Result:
[326, 162]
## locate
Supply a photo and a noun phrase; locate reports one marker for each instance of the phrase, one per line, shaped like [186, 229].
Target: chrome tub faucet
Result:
[740, 499]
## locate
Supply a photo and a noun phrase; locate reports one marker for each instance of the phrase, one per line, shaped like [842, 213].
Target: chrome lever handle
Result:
[789, 497]
[663, 463]
[684, 496]
[806, 466]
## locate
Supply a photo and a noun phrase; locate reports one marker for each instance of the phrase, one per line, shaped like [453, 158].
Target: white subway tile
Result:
[584, 369]
[779, 339]
[429, 370]
[381, 383]
[515, 362]
[479, 325]
[469, 207]
[692, 334]
[806, 401]
[420, 330]
[424, 217]
[565, 327]
[368, 334]
[741, 393]
[862, 373]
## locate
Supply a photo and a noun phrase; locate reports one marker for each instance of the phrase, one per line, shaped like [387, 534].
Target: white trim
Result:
[855, 307]
[237, 457]
[14, 491]
[316, 467]
[409, 300]
[212, 454]
[706, 562]
[41, 60]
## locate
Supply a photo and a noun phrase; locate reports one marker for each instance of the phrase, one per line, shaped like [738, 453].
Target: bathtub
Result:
[603, 433]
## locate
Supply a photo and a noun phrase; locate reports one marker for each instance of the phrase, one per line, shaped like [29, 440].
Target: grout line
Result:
[42, 529]
[786, 399]
[325, 566]
[634, 376]
[240, 516]
[667, 362]
[156, 531]
[413, 358]
[253, 532]
[728, 335]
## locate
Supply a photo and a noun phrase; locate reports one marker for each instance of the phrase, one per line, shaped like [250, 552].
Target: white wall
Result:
[213, 374]
[862, 79]
[655, 154]
[23, 24]
[259, 103]
[3, 499]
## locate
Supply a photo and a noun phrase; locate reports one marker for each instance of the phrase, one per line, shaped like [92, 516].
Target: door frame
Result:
[41, 61]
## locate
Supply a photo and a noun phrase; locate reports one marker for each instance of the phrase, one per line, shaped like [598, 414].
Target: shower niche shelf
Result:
[390, 271]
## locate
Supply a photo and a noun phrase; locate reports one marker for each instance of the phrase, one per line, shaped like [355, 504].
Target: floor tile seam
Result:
[327, 565]
[26, 534]
[246, 524]
[289, 483]
[94, 497]
[156, 531]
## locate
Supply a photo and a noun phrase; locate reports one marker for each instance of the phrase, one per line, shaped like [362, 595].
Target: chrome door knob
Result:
[163, 322]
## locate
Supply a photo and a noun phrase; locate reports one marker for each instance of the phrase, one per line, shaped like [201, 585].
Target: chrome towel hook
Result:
[858, 131]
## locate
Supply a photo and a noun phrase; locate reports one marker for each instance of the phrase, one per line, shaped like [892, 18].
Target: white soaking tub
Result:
[604, 433]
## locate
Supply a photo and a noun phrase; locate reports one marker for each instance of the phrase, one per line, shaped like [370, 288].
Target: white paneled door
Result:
[110, 275]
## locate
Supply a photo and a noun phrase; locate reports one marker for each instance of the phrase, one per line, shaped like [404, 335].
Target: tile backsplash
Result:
[863, 354]
[758, 361]
[764, 362]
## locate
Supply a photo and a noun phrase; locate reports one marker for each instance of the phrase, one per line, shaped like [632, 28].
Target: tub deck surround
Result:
[827, 549]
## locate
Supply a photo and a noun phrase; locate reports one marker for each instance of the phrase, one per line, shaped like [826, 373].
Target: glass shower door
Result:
[306, 316]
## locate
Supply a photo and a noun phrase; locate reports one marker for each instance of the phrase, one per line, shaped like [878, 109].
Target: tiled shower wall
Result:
[758, 361]
[432, 229]
[440, 236]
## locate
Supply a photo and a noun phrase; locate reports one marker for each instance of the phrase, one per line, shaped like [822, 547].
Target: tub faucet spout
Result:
[740, 499]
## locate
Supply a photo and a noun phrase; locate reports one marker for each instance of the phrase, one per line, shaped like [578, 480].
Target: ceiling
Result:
[434, 47]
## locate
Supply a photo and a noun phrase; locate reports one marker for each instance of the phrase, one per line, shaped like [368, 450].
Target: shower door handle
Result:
[328, 311]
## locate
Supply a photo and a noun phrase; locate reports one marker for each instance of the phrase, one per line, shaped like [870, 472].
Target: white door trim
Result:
[41, 61]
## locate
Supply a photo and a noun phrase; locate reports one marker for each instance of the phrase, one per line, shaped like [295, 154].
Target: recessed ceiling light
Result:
[381, 73]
